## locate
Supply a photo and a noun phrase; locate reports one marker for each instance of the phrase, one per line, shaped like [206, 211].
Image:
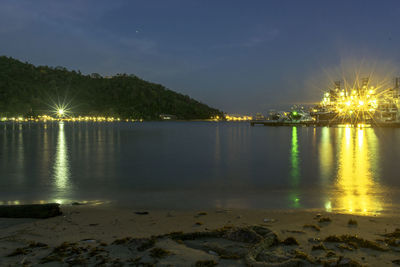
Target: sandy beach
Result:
[89, 235]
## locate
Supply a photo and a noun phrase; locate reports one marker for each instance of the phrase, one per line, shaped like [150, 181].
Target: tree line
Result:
[28, 90]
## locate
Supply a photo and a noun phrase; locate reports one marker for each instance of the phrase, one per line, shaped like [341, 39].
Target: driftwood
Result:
[30, 211]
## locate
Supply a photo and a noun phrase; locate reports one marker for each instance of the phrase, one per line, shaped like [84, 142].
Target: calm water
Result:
[187, 165]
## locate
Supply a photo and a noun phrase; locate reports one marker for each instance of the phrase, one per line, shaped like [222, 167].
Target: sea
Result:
[201, 165]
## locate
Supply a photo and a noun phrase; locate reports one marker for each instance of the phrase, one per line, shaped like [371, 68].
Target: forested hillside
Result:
[27, 90]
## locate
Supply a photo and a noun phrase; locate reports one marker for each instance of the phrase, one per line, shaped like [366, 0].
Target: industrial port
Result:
[360, 103]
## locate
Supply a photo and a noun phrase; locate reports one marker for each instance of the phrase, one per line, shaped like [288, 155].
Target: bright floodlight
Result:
[60, 112]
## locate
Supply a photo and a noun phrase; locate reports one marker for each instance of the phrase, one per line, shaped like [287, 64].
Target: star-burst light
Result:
[358, 102]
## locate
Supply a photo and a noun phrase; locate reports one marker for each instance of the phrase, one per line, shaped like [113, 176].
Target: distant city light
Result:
[60, 112]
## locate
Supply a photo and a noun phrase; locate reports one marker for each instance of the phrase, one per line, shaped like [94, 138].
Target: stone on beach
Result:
[41, 211]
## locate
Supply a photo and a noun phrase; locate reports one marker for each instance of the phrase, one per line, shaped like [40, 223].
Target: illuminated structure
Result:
[360, 103]
[60, 112]
[235, 117]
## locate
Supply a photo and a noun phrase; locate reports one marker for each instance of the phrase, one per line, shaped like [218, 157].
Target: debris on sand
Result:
[318, 247]
[249, 245]
[312, 226]
[290, 241]
[159, 253]
[268, 220]
[352, 222]
[324, 220]
[141, 212]
[355, 240]
[206, 263]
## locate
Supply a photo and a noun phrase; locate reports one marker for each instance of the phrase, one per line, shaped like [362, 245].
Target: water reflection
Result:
[295, 170]
[61, 164]
[20, 163]
[341, 169]
[356, 189]
[326, 155]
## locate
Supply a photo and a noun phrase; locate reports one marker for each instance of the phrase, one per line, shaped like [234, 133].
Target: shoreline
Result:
[95, 226]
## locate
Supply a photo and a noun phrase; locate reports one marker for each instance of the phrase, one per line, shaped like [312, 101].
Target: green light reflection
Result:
[295, 170]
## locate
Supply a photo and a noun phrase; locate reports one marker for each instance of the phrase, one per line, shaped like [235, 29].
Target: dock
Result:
[321, 123]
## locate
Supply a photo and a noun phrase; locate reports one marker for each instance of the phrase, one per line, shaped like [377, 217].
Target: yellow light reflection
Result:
[61, 164]
[356, 187]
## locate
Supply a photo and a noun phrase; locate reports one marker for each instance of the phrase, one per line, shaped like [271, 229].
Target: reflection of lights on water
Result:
[61, 164]
[295, 156]
[81, 202]
[10, 202]
[295, 169]
[59, 201]
[328, 206]
[325, 155]
[355, 184]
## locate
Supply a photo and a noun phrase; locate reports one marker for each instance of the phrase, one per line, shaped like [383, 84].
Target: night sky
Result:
[239, 56]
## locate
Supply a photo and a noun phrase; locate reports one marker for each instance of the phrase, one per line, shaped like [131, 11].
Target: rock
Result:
[290, 241]
[394, 234]
[267, 220]
[315, 240]
[324, 220]
[312, 226]
[330, 253]
[141, 212]
[142, 244]
[355, 241]
[159, 253]
[347, 262]
[18, 251]
[272, 257]
[40, 211]
[245, 235]
[211, 252]
[263, 231]
[89, 240]
[34, 244]
[206, 263]
[397, 262]
[318, 247]
[352, 222]
[75, 260]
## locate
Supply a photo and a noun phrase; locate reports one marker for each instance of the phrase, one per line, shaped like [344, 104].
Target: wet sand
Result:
[108, 236]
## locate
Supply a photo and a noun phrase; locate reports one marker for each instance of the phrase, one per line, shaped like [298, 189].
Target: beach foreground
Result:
[102, 235]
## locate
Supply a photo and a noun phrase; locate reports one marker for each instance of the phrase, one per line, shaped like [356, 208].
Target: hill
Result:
[28, 90]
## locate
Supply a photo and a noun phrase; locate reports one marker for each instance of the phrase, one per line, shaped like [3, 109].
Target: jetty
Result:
[323, 123]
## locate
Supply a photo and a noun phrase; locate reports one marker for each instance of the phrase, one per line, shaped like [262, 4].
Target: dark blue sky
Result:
[239, 56]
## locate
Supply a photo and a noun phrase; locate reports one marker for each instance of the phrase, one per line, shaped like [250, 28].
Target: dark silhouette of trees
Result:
[27, 90]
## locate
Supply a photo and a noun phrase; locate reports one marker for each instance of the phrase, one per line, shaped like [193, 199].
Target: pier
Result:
[323, 123]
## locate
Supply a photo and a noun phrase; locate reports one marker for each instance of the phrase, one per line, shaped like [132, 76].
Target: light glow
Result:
[360, 102]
